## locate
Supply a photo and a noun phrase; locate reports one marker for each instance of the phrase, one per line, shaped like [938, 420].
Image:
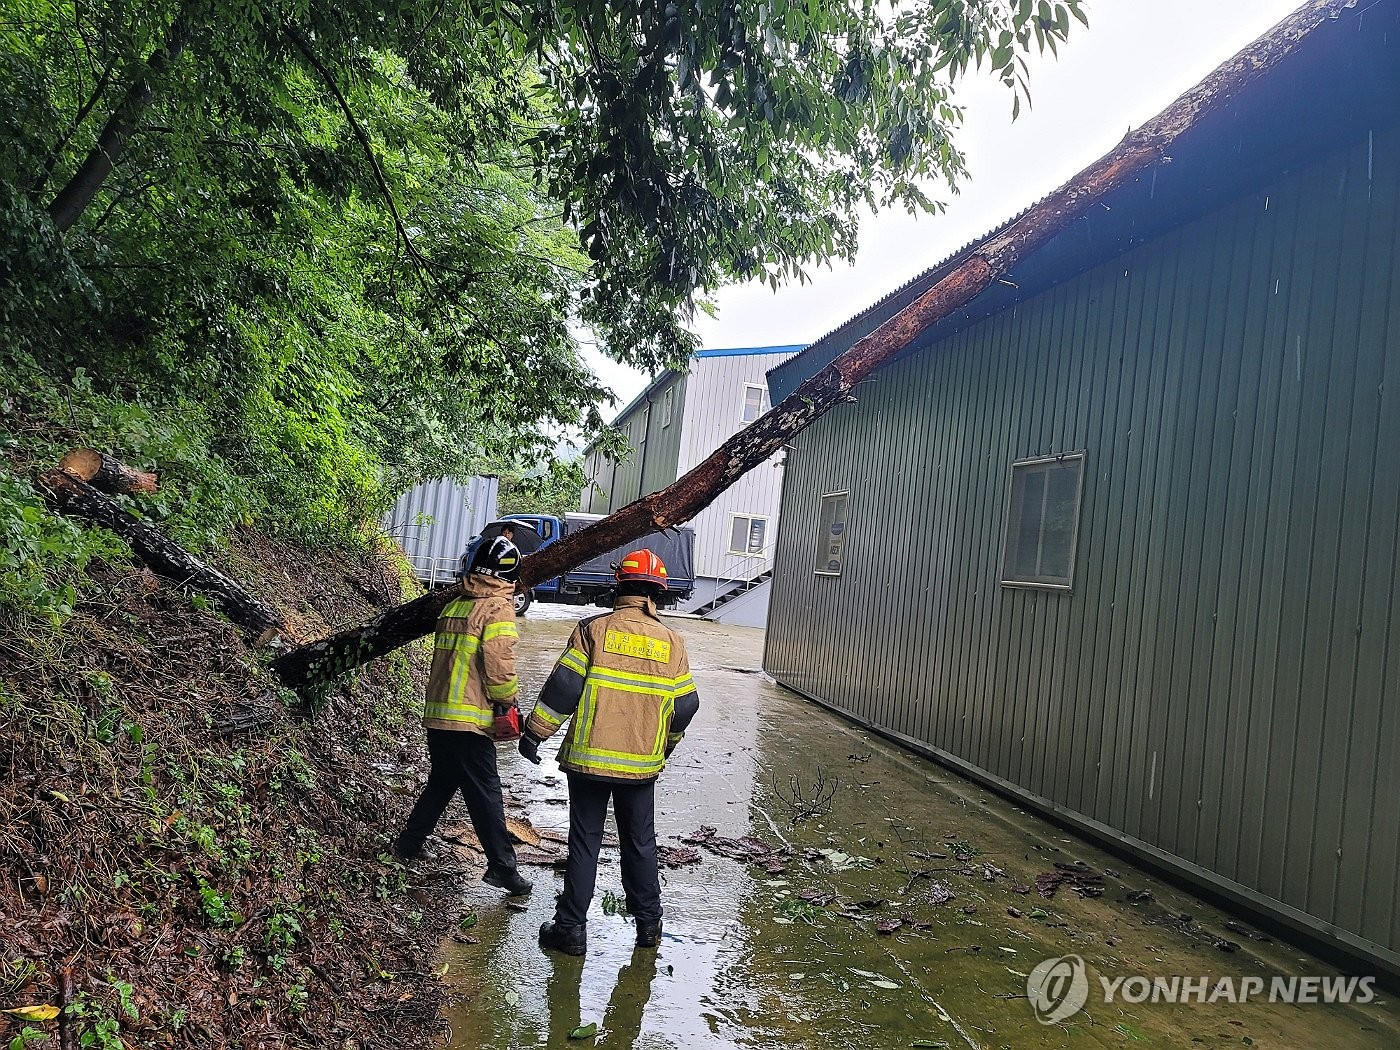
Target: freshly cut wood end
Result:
[107, 473]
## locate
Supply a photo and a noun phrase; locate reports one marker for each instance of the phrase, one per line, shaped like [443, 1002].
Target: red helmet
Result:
[642, 567]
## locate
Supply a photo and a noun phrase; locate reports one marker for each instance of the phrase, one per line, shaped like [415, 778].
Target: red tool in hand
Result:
[505, 724]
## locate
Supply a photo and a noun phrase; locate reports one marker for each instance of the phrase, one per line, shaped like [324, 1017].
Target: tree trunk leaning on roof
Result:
[965, 279]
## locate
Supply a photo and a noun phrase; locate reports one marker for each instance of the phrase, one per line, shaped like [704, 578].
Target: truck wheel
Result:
[522, 601]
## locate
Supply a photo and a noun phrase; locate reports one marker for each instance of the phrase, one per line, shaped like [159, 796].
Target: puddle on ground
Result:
[770, 961]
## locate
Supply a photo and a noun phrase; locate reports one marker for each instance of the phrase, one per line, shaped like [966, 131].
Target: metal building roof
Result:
[1335, 85]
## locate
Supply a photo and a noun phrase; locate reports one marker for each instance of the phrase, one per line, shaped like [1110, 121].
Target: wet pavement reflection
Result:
[906, 913]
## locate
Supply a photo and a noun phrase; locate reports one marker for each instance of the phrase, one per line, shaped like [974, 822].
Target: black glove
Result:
[530, 747]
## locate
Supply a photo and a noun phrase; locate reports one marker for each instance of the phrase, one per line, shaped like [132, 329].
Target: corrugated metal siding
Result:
[651, 463]
[707, 409]
[434, 521]
[713, 411]
[1223, 683]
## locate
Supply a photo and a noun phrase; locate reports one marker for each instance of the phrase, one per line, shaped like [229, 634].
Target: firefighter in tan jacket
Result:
[471, 703]
[625, 680]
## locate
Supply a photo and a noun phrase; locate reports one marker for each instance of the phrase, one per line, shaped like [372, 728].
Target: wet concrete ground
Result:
[750, 959]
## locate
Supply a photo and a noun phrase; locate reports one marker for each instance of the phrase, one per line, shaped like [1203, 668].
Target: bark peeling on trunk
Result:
[965, 279]
[72, 496]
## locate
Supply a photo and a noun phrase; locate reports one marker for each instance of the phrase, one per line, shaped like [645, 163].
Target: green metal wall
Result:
[1221, 689]
[650, 465]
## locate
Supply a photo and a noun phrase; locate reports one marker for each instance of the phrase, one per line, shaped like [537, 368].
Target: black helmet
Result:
[498, 557]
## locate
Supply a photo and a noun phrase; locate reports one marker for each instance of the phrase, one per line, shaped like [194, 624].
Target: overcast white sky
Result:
[1132, 61]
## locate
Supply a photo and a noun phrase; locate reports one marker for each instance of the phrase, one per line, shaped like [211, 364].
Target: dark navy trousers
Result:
[634, 805]
[463, 762]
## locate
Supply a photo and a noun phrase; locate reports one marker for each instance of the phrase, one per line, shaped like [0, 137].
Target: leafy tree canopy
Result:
[346, 244]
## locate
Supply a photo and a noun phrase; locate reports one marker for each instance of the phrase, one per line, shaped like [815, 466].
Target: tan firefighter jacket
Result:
[473, 658]
[625, 679]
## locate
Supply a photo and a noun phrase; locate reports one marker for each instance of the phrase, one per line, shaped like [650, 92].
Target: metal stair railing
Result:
[727, 587]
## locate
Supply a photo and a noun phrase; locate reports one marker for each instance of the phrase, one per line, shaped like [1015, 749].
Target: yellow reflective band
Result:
[612, 675]
[627, 687]
[504, 689]
[461, 674]
[460, 608]
[505, 629]
[574, 661]
[683, 684]
[615, 761]
[668, 709]
[637, 645]
[549, 717]
[587, 707]
[458, 713]
[465, 643]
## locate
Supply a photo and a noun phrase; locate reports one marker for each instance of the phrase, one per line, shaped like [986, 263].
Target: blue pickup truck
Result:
[593, 581]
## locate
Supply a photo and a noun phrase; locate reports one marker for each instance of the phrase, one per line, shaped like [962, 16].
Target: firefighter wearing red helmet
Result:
[624, 686]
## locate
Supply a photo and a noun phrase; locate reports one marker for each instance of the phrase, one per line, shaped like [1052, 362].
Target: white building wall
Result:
[713, 410]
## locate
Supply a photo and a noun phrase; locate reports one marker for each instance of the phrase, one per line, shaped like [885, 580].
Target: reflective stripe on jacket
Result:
[473, 658]
[625, 680]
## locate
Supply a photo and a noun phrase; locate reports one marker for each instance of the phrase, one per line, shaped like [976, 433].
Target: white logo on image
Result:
[1058, 988]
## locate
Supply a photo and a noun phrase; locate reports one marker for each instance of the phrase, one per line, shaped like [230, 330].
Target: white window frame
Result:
[750, 518]
[1044, 584]
[822, 539]
[744, 402]
[667, 406]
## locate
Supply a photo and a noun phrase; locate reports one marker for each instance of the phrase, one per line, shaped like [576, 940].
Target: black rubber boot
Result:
[571, 940]
[648, 934]
[510, 880]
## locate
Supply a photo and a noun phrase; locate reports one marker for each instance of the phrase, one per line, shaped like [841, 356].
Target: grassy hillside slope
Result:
[202, 861]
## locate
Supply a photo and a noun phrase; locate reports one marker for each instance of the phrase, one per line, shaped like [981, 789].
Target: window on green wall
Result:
[831, 536]
[1042, 522]
[667, 403]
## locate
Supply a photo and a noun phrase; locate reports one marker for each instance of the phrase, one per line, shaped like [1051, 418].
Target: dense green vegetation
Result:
[300, 256]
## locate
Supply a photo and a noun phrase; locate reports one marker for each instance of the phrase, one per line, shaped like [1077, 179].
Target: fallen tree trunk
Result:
[74, 497]
[964, 280]
[107, 473]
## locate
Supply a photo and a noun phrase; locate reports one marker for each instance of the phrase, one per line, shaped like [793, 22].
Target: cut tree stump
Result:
[107, 473]
[70, 495]
[963, 279]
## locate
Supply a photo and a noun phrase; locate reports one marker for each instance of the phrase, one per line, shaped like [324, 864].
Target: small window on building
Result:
[831, 536]
[748, 535]
[755, 402]
[667, 403]
[1043, 522]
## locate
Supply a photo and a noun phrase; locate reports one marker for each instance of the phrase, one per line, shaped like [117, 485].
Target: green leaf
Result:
[586, 1031]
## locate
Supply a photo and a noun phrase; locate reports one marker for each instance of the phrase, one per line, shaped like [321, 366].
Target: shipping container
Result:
[436, 520]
